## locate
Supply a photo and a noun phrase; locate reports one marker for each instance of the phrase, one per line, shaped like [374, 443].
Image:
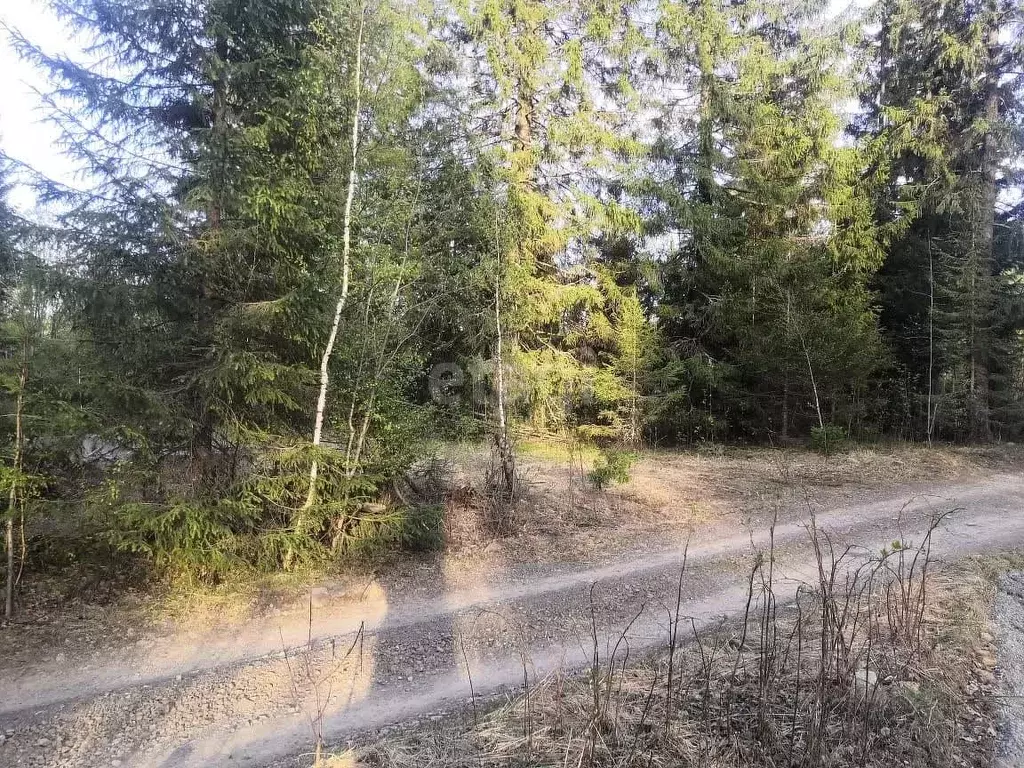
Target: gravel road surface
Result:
[358, 661]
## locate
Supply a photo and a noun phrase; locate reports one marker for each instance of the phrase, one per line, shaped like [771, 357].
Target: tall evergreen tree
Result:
[766, 304]
[208, 135]
[944, 97]
[552, 81]
[212, 133]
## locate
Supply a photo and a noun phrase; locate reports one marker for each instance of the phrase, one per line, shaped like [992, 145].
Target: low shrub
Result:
[612, 467]
[829, 439]
[261, 523]
[373, 532]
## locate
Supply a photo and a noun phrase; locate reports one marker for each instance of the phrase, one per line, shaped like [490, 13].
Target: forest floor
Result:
[249, 676]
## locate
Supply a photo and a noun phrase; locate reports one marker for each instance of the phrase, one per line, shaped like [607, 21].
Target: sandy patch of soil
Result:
[671, 495]
[562, 520]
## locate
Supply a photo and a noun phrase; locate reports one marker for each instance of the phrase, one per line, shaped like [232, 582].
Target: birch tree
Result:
[346, 250]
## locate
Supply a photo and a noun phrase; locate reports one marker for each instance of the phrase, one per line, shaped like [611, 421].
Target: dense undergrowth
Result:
[145, 526]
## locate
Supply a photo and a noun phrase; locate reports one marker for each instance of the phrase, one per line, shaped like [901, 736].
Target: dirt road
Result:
[256, 694]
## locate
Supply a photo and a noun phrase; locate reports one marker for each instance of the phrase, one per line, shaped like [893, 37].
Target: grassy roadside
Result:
[892, 668]
[88, 604]
[564, 514]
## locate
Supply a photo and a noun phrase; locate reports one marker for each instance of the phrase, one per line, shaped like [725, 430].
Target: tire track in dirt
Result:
[240, 700]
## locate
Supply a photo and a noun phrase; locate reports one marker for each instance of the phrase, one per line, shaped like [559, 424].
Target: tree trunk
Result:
[785, 405]
[705, 127]
[346, 248]
[203, 464]
[523, 170]
[12, 500]
[982, 258]
[202, 459]
[506, 455]
[9, 541]
[523, 124]
[930, 407]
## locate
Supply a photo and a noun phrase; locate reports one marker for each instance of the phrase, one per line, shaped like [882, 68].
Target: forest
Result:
[313, 238]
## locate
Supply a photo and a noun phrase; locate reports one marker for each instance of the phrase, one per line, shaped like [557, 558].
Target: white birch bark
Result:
[346, 249]
[12, 501]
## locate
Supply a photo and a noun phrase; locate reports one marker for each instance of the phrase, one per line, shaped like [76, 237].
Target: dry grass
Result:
[562, 517]
[884, 662]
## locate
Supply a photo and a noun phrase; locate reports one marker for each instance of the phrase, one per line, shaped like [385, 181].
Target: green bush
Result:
[410, 529]
[612, 467]
[261, 525]
[198, 542]
[829, 439]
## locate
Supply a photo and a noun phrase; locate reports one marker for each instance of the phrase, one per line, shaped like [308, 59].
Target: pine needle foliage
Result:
[632, 222]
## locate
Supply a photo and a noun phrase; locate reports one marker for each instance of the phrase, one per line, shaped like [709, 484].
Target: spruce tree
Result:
[939, 115]
[766, 306]
[553, 82]
[207, 135]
